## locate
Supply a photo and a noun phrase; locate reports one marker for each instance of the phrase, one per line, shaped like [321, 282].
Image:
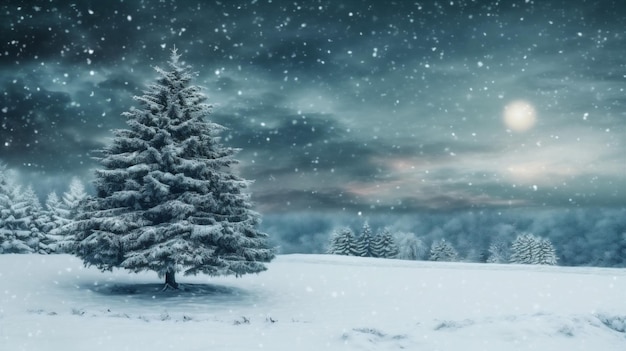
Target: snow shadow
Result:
[200, 294]
[149, 302]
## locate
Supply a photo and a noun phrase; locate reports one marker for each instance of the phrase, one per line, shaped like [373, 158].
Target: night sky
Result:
[341, 107]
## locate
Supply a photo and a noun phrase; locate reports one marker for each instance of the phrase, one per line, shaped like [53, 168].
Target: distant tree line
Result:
[27, 226]
[525, 249]
[344, 242]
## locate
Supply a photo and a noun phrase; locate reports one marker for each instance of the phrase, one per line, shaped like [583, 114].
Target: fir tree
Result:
[342, 242]
[13, 237]
[443, 251]
[35, 221]
[63, 212]
[15, 234]
[167, 198]
[546, 254]
[4, 187]
[524, 249]
[4, 195]
[365, 243]
[57, 216]
[73, 197]
[529, 249]
[385, 245]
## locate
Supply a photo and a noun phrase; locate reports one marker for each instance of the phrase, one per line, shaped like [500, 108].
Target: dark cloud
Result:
[122, 84]
[38, 126]
[358, 106]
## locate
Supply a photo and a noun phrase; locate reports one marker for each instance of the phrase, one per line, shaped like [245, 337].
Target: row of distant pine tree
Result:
[27, 226]
[525, 249]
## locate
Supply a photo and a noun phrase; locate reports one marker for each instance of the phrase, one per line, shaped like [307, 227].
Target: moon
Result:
[519, 115]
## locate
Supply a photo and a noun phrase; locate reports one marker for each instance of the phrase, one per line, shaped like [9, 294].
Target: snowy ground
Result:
[313, 302]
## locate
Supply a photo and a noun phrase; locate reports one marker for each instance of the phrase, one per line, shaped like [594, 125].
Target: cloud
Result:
[352, 107]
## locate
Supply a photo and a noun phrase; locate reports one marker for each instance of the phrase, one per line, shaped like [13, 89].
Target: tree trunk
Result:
[170, 280]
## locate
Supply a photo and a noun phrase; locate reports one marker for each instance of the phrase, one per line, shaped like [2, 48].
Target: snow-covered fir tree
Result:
[15, 232]
[524, 249]
[4, 191]
[530, 249]
[35, 220]
[13, 237]
[365, 242]
[343, 242]
[410, 247]
[63, 212]
[167, 198]
[57, 216]
[384, 245]
[546, 254]
[73, 197]
[443, 251]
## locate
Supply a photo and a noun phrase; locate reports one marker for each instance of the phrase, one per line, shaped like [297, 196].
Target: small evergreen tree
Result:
[524, 249]
[35, 220]
[443, 251]
[57, 216]
[167, 198]
[546, 254]
[342, 242]
[384, 245]
[365, 242]
[15, 233]
[73, 197]
[63, 212]
[5, 199]
[529, 249]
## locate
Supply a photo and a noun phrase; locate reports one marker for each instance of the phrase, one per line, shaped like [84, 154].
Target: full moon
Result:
[519, 116]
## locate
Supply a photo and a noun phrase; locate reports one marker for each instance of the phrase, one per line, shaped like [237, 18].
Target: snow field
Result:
[313, 302]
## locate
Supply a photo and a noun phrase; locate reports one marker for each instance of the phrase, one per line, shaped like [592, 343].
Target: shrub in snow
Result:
[342, 242]
[617, 323]
[529, 249]
[443, 251]
[167, 198]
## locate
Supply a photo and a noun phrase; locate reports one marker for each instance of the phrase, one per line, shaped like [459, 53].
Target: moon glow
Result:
[519, 116]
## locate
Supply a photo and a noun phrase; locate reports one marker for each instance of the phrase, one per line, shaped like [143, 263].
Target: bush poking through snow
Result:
[617, 323]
